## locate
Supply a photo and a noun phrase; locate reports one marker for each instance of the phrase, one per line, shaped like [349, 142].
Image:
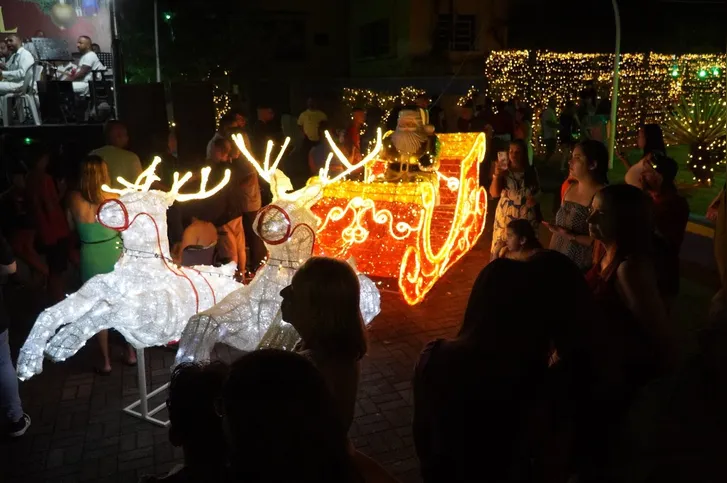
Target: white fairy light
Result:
[251, 316]
[146, 297]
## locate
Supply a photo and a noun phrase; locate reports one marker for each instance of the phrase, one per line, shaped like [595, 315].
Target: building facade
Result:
[424, 37]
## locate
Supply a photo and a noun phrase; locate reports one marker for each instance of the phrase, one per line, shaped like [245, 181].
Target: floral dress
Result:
[513, 206]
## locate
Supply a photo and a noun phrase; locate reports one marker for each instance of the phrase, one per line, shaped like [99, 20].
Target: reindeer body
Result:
[145, 298]
[251, 315]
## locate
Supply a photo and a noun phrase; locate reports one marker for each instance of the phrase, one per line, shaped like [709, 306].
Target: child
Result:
[521, 241]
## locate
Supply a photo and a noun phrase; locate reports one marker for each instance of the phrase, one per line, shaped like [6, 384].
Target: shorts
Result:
[56, 255]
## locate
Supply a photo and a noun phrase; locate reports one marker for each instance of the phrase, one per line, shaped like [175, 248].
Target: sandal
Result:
[99, 371]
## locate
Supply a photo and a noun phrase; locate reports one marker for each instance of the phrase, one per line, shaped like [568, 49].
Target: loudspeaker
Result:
[194, 116]
[143, 109]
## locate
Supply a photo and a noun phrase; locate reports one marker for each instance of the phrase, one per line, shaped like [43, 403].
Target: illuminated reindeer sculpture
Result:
[146, 297]
[251, 316]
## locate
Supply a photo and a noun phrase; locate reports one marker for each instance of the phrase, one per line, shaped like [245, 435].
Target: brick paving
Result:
[79, 432]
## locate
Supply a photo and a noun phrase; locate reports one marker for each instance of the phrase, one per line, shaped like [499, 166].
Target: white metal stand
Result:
[144, 413]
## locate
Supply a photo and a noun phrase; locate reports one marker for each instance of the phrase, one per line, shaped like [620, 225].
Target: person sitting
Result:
[12, 74]
[483, 382]
[521, 241]
[87, 65]
[195, 425]
[199, 234]
[119, 160]
[281, 422]
[4, 52]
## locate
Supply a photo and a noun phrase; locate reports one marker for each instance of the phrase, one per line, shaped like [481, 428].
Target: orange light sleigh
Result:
[406, 231]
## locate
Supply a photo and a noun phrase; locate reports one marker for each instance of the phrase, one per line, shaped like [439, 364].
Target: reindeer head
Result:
[290, 211]
[141, 213]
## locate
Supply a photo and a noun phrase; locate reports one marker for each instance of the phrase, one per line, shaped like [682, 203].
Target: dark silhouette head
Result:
[281, 421]
[195, 425]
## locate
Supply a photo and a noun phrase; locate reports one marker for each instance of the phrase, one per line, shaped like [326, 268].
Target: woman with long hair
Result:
[518, 188]
[475, 396]
[588, 167]
[650, 141]
[100, 246]
[623, 279]
[322, 304]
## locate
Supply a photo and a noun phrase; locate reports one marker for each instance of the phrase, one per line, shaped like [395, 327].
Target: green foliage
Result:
[699, 122]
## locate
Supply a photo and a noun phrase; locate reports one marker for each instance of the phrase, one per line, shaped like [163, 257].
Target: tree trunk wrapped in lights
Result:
[700, 123]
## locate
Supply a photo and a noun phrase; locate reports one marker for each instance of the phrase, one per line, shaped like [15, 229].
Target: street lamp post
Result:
[614, 97]
[156, 41]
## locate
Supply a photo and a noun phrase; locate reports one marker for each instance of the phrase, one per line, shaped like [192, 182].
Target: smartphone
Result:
[502, 160]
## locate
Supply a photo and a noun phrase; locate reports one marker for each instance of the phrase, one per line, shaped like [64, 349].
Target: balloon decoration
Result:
[63, 15]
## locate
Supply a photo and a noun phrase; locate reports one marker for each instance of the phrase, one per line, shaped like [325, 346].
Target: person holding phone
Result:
[588, 168]
[517, 186]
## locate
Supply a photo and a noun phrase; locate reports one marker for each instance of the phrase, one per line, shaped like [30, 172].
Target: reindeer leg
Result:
[72, 337]
[198, 338]
[30, 361]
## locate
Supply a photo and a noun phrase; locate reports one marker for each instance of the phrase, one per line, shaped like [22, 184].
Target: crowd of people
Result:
[529, 389]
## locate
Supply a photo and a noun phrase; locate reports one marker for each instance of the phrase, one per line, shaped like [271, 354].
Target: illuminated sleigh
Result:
[407, 231]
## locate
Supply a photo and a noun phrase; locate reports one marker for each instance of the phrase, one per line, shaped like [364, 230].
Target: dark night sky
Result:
[670, 26]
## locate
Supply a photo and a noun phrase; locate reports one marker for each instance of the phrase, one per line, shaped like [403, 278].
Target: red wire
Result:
[128, 223]
[260, 221]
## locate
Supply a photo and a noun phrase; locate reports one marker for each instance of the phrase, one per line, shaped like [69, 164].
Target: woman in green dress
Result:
[100, 246]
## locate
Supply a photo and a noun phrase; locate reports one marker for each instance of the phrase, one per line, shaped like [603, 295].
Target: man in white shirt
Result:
[13, 73]
[119, 161]
[86, 65]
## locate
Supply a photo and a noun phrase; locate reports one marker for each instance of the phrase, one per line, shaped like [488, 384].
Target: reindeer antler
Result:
[350, 167]
[149, 177]
[266, 171]
[203, 192]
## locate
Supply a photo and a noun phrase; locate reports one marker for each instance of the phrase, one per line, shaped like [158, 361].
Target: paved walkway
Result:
[80, 434]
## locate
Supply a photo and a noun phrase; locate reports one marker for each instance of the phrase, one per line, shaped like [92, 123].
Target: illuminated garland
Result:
[385, 101]
[701, 124]
[471, 96]
[650, 83]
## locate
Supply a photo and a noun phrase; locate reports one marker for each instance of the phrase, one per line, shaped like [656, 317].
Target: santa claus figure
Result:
[412, 151]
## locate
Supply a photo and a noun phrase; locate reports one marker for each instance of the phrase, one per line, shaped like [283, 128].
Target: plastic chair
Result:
[27, 97]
